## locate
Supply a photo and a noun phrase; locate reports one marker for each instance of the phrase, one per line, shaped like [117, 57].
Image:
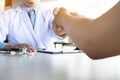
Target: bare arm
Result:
[98, 38]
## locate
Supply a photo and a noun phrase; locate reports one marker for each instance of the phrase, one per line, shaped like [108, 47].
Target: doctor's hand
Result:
[57, 22]
[29, 48]
[59, 30]
[59, 15]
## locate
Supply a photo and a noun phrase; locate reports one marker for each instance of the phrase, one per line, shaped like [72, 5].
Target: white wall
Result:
[17, 2]
[2, 5]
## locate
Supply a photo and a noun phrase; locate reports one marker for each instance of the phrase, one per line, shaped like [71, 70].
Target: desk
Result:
[58, 67]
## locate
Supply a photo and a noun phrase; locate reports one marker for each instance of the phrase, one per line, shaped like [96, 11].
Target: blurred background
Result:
[90, 8]
[81, 66]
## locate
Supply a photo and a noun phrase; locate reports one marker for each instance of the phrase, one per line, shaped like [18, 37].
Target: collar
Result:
[27, 9]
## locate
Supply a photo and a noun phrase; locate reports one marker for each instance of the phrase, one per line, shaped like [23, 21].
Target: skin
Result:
[98, 38]
[30, 3]
[58, 30]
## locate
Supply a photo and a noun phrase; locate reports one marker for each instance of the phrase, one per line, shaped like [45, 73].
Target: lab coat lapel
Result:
[29, 27]
[39, 28]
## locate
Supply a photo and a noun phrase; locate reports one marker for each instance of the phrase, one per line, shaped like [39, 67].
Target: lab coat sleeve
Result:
[2, 44]
[4, 20]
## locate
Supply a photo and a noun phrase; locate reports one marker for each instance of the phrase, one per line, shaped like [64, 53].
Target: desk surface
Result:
[58, 67]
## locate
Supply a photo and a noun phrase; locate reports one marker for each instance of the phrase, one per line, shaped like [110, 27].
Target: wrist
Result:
[8, 46]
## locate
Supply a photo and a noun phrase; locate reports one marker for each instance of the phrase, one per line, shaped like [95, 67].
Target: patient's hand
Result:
[29, 48]
[59, 30]
[59, 15]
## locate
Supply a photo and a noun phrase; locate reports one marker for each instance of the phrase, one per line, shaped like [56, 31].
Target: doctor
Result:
[21, 31]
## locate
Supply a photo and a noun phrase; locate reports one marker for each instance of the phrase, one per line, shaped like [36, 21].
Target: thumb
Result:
[55, 11]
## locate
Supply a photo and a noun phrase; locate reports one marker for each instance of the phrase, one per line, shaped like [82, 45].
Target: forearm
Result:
[79, 30]
[98, 38]
[106, 40]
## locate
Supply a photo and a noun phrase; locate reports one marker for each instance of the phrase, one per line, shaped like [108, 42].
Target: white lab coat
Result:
[15, 24]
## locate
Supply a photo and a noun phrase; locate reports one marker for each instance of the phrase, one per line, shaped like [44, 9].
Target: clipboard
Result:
[56, 51]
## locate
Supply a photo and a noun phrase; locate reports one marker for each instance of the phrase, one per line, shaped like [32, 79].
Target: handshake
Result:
[60, 24]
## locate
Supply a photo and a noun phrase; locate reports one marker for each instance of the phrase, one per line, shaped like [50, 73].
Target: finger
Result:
[29, 48]
[60, 28]
[62, 10]
[61, 32]
[54, 27]
[55, 11]
[63, 35]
